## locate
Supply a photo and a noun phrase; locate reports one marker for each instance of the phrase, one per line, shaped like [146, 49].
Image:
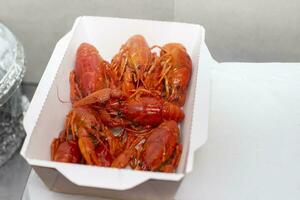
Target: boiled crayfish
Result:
[83, 128]
[89, 74]
[139, 109]
[160, 151]
[175, 67]
[131, 62]
[126, 113]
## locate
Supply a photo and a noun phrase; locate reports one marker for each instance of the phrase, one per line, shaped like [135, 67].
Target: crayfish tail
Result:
[172, 112]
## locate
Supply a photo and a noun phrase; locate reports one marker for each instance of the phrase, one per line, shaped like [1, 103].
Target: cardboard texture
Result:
[46, 114]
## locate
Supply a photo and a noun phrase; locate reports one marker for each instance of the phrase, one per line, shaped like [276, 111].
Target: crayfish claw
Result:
[100, 96]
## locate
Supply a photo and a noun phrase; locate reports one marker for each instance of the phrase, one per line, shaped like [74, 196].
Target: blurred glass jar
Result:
[12, 103]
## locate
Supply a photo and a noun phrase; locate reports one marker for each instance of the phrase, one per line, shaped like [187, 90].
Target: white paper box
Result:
[46, 114]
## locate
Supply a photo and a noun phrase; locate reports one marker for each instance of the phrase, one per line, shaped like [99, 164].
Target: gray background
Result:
[237, 30]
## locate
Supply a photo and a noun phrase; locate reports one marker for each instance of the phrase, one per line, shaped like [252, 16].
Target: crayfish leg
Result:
[115, 146]
[87, 148]
[124, 158]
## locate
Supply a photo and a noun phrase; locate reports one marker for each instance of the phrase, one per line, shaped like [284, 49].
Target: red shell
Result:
[144, 110]
[180, 74]
[139, 52]
[151, 111]
[90, 69]
[68, 151]
[160, 145]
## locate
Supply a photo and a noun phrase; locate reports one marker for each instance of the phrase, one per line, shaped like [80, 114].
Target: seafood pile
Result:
[125, 113]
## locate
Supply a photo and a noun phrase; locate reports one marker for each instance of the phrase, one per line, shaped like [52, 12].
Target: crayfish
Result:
[130, 64]
[126, 113]
[89, 74]
[139, 109]
[173, 71]
[161, 151]
[83, 127]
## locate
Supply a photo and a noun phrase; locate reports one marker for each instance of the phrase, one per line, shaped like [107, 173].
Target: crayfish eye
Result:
[119, 113]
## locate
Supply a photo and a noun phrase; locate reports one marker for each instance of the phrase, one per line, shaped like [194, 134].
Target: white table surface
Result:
[253, 147]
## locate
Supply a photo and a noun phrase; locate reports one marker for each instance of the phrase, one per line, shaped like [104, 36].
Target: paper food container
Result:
[46, 114]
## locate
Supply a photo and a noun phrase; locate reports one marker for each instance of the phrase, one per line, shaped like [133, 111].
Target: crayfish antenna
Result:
[57, 94]
[164, 71]
[140, 91]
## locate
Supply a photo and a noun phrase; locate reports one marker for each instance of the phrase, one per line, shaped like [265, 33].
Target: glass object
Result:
[12, 103]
